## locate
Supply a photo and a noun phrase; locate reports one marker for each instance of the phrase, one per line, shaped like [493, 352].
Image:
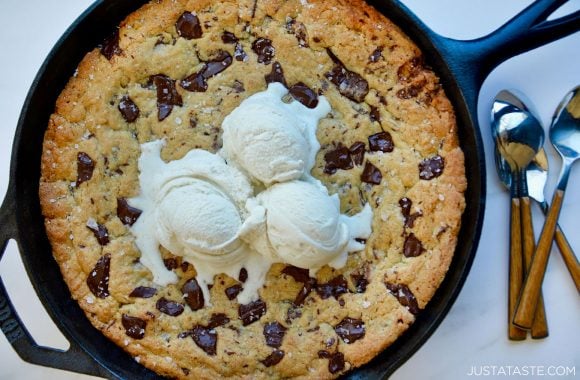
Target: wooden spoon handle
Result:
[526, 308]
[569, 257]
[540, 324]
[516, 270]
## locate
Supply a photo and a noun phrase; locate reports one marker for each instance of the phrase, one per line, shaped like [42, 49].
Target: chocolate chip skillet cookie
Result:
[253, 189]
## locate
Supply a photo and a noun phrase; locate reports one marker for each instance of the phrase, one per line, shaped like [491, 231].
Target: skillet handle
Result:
[75, 358]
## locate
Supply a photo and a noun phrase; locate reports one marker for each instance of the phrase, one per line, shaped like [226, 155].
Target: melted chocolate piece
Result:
[371, 174]
[85, 168]
[233, 291]
[243, 276]
[276, 75]
[357, 152]
[413, 246]
[274, 333]
[334, 288]
[339, 158]
[217, 320]
[274, 358]
[128, 109]
[101, 233]
[404, 296]
[299, 274]
[381, 141]
[110, 46]
[264, 49]
[431, 168]
[350, 330]
[304, 95]
[349, 83]
[301, 34]
[409, 218]
[305, 291]
[410, 69]
[197, 82]
[171, 263]
[252, 312]
[335, 360]
[376, 55]
[411, 91]
[375, 114]
[192, 294]
[188, 26]
[126, 213]
[239, 53]
[143, 292]
[167, 95]
[134, 326]
[98, 279]
[169, 307]
[229, 38]
[205, 338]
[360, 282]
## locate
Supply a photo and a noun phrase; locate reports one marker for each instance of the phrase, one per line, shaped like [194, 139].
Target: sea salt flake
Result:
[90, 300]
[365, 304]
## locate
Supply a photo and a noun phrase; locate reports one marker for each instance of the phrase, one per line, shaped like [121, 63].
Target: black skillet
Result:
[462, 66]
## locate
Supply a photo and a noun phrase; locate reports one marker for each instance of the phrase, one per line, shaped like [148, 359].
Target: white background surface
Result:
[474, 332]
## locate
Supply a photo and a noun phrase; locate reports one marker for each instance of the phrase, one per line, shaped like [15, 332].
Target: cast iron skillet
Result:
[462, 66]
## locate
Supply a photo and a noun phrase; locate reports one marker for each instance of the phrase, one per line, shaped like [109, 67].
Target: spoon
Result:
[565, 137]
[518, 136]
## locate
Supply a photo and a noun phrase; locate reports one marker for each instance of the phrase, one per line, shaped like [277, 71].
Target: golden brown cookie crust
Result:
[404, 99]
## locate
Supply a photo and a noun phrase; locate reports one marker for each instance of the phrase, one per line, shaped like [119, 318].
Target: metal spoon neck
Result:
[564, 175]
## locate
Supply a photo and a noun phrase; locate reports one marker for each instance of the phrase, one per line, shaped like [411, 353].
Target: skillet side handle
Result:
[74, 359]
[526, 31]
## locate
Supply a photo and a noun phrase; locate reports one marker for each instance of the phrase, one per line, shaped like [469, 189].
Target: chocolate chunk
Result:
[169, 307]
[305, 291]
[264, 49]
[335, 360]
[404, 296]
[339, 158]
[376, 55]
[98, 279]
[357, 152]
[134, 326]
[243, 276]
[413, 246]
[293, 313]
[85, 168]
[334, 287]
[188, 26]
[238, 86]
[410, 69]
[233, 291]
[349, 83]
[411, 91]
[167, 95]
[301, 34]
[239, 53]
[274, 333]
[350, 330]
[299, 274]
[101, 233]
[170, 263]
[192, 294]
[197, 82]
[304, 95]
[276, 75]
[229, 38]
[375, 114]
[252, 312]
[143, 292]
[205, 338]
[217, 320]
[110, 46]
[381, 141]
[274, 358]
[431, 168]
[360, 282]
[371, 174]
[127, 214]
[128, 109]
[409, 218]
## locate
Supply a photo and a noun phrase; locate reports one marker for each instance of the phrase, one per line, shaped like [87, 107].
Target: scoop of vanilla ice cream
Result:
[196, 219]
[271, 140]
